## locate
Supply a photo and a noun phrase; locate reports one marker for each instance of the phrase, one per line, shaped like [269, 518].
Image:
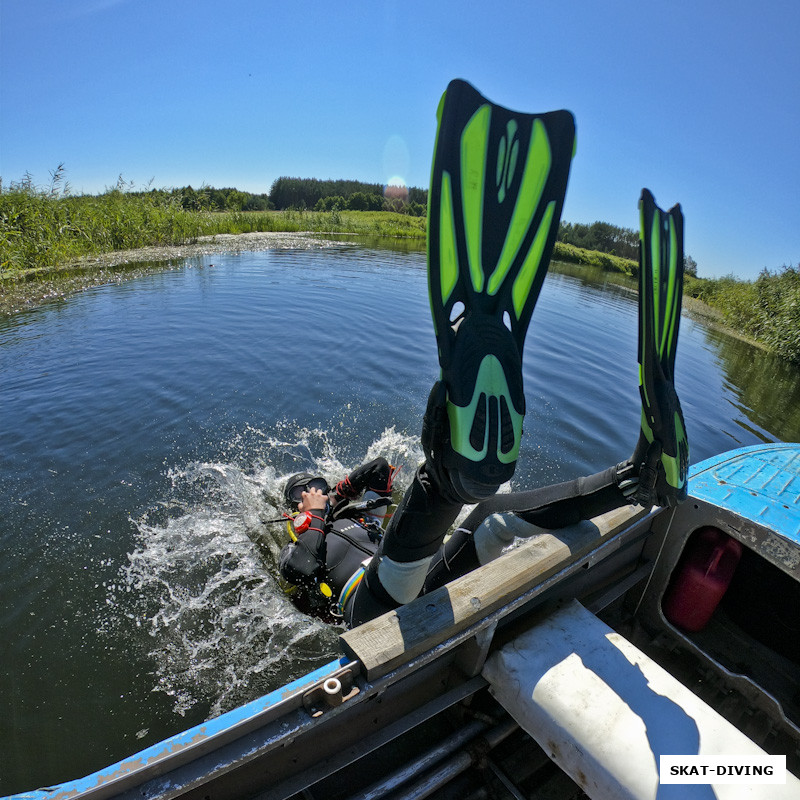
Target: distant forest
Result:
[307, 194]
[316, 195]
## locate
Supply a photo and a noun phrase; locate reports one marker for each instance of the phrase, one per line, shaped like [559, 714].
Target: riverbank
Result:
[63, 248]
[41, 229]
[24, 290]
[53, 244]
[766, 310]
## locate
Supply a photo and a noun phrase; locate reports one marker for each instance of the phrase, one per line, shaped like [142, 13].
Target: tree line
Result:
[312, 194]
[607, 238]
[344, 195]
[601, 236]
[303, 194]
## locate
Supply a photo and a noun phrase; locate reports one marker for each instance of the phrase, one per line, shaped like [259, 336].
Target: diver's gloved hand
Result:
[641, 490]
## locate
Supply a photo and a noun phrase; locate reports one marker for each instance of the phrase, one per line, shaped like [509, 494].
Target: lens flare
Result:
[396, 160]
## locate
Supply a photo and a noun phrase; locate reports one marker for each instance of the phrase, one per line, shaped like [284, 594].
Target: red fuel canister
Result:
[701, 578]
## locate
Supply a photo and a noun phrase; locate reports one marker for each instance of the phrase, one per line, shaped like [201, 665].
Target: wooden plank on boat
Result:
[384, 643]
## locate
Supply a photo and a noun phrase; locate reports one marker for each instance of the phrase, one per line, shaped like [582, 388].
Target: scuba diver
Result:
[497, 189]
[334, 532]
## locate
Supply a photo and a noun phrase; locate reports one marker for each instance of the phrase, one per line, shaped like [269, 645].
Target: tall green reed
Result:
[767, 309]
[42, 228]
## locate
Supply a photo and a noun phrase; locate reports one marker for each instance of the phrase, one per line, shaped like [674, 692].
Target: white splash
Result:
[204, 573]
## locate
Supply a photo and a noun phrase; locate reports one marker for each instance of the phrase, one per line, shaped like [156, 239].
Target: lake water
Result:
[146, 429]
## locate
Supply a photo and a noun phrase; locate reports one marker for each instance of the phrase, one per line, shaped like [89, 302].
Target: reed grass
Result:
[767, 309]
[46, 228]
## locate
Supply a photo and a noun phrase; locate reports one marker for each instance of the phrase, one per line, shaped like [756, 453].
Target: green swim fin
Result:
[497, 188]
[663, 445]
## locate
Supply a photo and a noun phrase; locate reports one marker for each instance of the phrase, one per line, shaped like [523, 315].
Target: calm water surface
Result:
[146, 429]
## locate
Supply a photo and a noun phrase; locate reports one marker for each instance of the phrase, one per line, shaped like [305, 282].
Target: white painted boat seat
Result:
[605, 712]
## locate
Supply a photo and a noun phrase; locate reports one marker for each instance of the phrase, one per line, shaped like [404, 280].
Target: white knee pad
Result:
[403, 581]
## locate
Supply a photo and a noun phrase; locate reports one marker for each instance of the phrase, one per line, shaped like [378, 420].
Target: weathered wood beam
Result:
[398, 636]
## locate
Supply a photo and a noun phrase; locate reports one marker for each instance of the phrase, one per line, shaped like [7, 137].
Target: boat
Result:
[565, 668]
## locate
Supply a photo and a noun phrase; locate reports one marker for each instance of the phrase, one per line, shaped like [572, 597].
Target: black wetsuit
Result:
[333, 552]
[426, 513]
[550, 507]
[338, 541]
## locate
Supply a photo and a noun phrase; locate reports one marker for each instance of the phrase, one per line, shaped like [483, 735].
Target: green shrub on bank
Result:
[593, 258]
[767, 309]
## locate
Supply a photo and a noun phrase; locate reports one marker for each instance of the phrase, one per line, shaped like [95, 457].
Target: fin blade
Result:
[534, 177]
[661, 258]
[474, 144]
[498, 182]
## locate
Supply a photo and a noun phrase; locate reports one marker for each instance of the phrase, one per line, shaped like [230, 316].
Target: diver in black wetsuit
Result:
[338, 533]
[335, 532]
[497, 187]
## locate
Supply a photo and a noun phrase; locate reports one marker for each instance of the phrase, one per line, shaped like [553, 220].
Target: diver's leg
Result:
[414, 534]
[488, 528]
[491, 234]
[661, 457]
[657, 472]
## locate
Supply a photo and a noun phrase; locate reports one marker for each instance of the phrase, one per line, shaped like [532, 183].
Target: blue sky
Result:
[697, 100]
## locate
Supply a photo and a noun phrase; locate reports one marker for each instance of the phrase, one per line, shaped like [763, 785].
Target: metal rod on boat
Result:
[423, 762]
[505, 780]
[458, 763]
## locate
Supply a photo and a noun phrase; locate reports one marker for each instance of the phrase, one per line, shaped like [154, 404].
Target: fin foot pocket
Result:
[485, 401]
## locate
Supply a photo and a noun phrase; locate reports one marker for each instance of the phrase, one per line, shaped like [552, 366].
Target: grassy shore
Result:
[47, 233]
[364, 223]
[766, 310]
[40, 232]
[44, 231]
[593, 258]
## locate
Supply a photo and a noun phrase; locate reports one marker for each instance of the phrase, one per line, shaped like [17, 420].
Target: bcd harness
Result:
[328, 551]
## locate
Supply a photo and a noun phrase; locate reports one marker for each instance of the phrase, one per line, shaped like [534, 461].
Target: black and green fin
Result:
[663, 445]
[497, 189]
